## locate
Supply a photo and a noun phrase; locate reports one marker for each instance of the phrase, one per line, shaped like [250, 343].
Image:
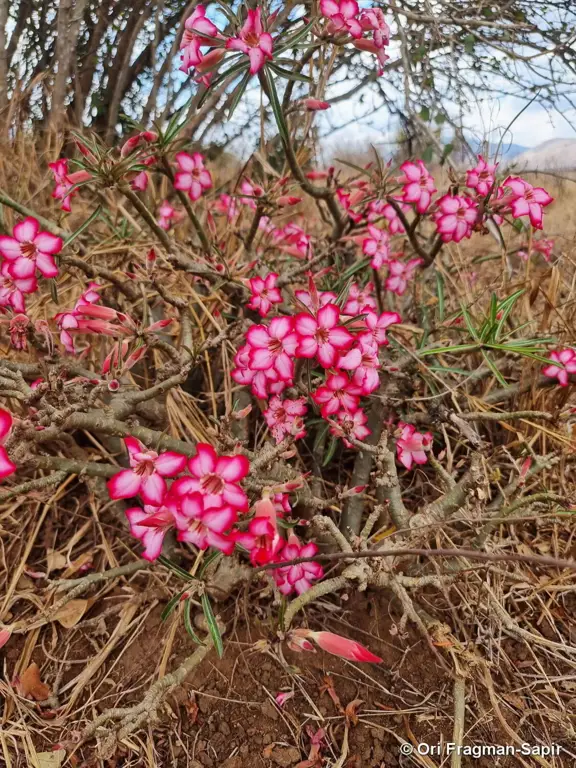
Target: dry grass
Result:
[507, 634]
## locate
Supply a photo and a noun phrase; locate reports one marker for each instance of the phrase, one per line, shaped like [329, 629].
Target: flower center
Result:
[28, 250]
[145, 467]
[275, 346]
[280, 415]
[322, 335]
[252, 39]
[212, 484]
[7, 284]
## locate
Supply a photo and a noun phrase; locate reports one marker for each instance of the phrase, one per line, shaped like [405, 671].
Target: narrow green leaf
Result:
[171, 604]
[188, 626]
[83, 226]
[212, 625]
[453, 348]
[441, 296]
[329, 455]
[469, 324]
[494, 369]
[291, 41]
[214, 555]
[175, 568]
[276, 106]
[238, 93]
[288, 75]
[235, 70]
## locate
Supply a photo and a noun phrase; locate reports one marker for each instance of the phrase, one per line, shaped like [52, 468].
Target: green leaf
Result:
[469, 43]
[288, 75]
[276, 106]
[238, 93]
[54, 291]
[469, 324]
[320, 435]
[291, 41]
[439, 118]
[175, 568]
[188, 626]
[329, 455]
[425, 114]
[212, 625]
[171, 604]
[506, 307]
[357, 267]
[358, 168]
[494, 369]
[214, 555]
[235, 70]
[82, 227]
[441, 296]
[428, 154]
[453, 348]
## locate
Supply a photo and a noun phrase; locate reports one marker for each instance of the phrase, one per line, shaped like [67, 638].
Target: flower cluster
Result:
[346, 18]
[206, 506]
[343, 343]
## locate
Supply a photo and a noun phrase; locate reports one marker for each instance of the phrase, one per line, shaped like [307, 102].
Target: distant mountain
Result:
[507, 151]
[555, 154]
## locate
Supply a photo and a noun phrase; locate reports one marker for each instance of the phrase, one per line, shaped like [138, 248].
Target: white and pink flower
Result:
[562, 365]
[399, 273]
[253, 41]
[343, 16]
[284, 417]
[377, 246]
[481, 178]
[455, 217]
[418, 185]
[322, 336]
[299, 577]
[150, 525]
[13, 289]
[7, 467]
[411, 446]
[147, 473]
[29, 249]
[525, 200]
[264, 293]
[192, 176]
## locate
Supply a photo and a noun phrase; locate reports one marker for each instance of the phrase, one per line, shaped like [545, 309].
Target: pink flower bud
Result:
[113, 385]
[315, 105]
[284, 200]
[342, 646]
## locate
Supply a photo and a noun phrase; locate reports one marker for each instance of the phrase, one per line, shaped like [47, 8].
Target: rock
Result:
[224, 728]
[233, 762]
[286, 757]
[270, 711]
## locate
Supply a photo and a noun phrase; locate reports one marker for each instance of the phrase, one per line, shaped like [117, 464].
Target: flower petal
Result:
[7, 467]
[170, 463]
[204, 462]
[25, 231]
[153, 489]
[124, 485]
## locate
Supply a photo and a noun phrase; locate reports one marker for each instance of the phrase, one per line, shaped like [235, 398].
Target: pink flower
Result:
[281, 698]
[378, 324]
[264, 293]
[481, 178]
[339, 646]
[167, 215]
[315, 105]
[335, 395]
[296, 577]
[342, 15]
[202, 521]
[192, 176]
[526, 200]
[262, 539]
[263, 382]
[273, 346]
[147, 473]
[284, 417]
[399, 273]
[418, 185]
[377, 246]
[198, 24]
[7, 467]
[226, 205]
[359, 300]
[248, 187]
[455, 217]
[150, 525]
[363, 360]
[67, 321]
[351, 425]
[65, 182]
[543, 246]
[562, 364]
[12, 289]
[381, 208]
[215, 477]
[411, 445]
[253, 41]
[314, 301]
[373, 19]
[322, 336]
[134, 142]
[30, 248]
